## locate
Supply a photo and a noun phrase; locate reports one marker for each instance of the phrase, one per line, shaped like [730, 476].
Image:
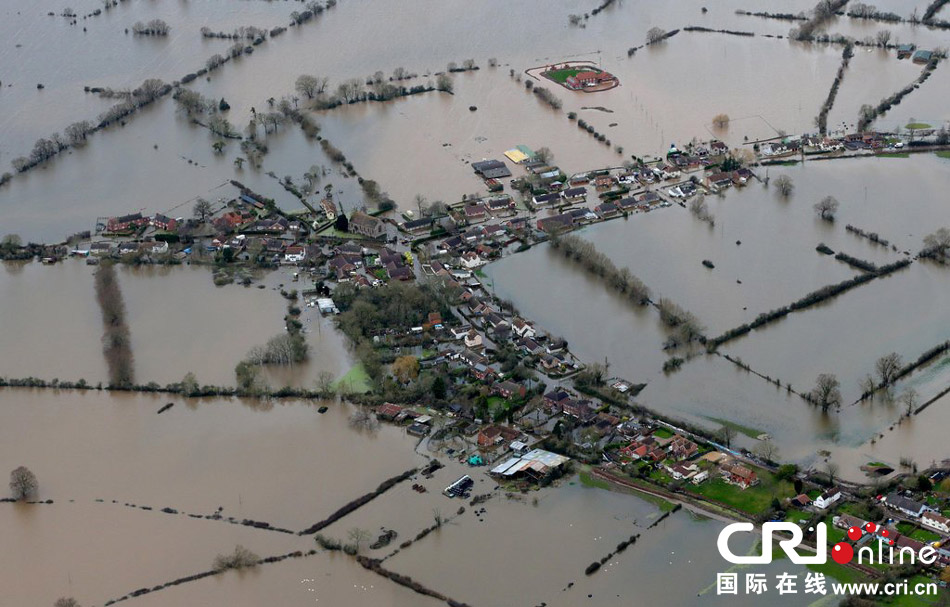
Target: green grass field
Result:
[747, 430]
[943, 153]
[752, 500]
[561, 76]
[841, 573]
[895, 155]
[918, 125]
[355, 380]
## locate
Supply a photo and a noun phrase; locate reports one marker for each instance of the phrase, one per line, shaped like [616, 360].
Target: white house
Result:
[936, 521]
[906, 505]
[522, 328]
[470, 260]
[827, 498]
[295, 254]
[473, 339]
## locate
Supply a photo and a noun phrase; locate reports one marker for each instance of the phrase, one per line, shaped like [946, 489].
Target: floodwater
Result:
[776, 264]
[284, 463]
[158, 162]
[276, 461]
[179, 323]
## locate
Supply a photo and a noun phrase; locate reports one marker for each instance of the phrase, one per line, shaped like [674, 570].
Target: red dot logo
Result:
[870, 527]
[884, 532]
[854, 534]
[842, 553]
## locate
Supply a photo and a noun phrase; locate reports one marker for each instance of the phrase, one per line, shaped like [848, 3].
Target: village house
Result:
[230, 221]
[644, 448]
[543, 200]
[329, 208]
[473, 340]
[417, 226]
[101, 249]
[388, 411]
[163, 222]
[681, 448]
[522, 328]
[494, 435]
[475, 212]
[530, 346]
[295, 254]
[491, 169]
[367, 225]
[501, 205]
[126, 222]
[740, 475]
[555, 399]
[578, 409]
[460, 332]
[471, 260]
[936, 521]
[508, 389]
[555, 224]
[827, 498]
[587, 79]
[577, 194]
[906, 505]
[719, 180]
[606, 210]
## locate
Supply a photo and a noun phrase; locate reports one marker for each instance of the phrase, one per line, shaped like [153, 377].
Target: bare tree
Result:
[544, 154]
[909, 399]
[66, 602]
[325, 382]
[307, 85]
[444, 83]
[883, 37]
[726, 434]
[827, 207]
[784, 185]
[655, 34]
[239, 559]
[721, 121]
[358, 536]
[362, 419]
[767, 450]
[23, 483]
[888, 367]
[832, 469]
[827, 392]
[202, 209]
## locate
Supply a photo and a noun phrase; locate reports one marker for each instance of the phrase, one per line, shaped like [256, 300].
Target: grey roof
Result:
[495, 173]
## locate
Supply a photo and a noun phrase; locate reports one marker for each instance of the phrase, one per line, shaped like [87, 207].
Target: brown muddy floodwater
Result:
[278, 462]
[179, 321]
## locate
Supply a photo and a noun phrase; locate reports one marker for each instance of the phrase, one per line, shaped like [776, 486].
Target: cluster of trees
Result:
[687, 327]
[313, 9]
[241, 558]
[546, 96]
[855, 262]
[872, 236]
[937, 246]
[821, 14]
[656, 34]
[585, 253]
[116, 341]
[815, 297]
[242, 33]
[890, 368]
[932, 10]
[155, 27]
[393, 308]
[822, 120]
[700, 210]
[281, 349]
[467, 65]
[859, 10]
[721, 121]
[583, 124]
